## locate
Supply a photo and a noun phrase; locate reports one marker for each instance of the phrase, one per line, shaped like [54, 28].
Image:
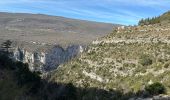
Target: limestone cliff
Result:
[46, 60]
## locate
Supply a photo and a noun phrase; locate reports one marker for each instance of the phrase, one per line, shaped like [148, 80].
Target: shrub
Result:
[5, 61]
[155, 88]
[71, 92]
[166, 65]
[27, 78]
[145, 60]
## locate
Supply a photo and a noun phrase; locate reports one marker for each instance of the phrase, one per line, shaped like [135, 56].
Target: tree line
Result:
[149, 21]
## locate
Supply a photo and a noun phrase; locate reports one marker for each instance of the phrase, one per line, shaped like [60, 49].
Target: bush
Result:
[145, 60]
[166, 65]
[155, 88]
[27, 78]
[71, 92]
[5, 61]
[23, 76]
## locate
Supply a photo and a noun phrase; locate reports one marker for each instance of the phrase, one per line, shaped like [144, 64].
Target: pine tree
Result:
[6, 45]
[141, 22]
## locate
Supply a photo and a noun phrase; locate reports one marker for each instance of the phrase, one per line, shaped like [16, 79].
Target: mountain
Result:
[129, 59]
[47, 29]
[44, 41]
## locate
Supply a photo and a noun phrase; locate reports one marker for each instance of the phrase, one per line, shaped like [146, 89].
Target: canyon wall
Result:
[46, 60]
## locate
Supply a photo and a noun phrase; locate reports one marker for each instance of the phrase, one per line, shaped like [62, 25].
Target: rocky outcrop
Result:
[46, 60]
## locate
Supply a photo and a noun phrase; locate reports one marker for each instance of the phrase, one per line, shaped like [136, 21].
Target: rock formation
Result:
[46, 60]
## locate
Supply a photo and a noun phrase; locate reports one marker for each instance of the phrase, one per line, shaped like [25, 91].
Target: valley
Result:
[85, 60]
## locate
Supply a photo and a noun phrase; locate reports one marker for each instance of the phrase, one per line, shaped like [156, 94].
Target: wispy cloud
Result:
[113, 11]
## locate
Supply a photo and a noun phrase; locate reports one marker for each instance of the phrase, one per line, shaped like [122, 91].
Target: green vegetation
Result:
[155, 20]
[156, 89]
[17, 82]
[150, 21]
[16, 73]
[145, 60]
[126, 60]
[6, 45]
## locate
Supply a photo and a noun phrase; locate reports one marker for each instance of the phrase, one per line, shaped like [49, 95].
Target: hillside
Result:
[45, 29]
[128, 59]
[164, 18]
[17, 82]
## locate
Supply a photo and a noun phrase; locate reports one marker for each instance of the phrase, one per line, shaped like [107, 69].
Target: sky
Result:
[126, 12]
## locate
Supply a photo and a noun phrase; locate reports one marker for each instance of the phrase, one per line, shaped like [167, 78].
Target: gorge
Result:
[46, 59]
[44, 41]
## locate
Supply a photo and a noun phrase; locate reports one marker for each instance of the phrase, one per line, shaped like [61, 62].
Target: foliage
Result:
[155, 20]
[6, 45]
[23, 75]
[149, 21]
[27, 78]
[156, 88]
[145, 60]
[29, 84]
[71, 91]
[6, 62]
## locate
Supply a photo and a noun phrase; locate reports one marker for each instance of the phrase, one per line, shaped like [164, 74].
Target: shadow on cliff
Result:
[32, 86]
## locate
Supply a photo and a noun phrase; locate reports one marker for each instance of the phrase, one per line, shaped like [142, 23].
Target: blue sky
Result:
[126, 12]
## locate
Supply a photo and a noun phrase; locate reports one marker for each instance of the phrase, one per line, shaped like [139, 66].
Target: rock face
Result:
[48, 59]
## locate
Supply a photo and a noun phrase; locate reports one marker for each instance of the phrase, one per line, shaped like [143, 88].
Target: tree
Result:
[149, 21]
[6, 45]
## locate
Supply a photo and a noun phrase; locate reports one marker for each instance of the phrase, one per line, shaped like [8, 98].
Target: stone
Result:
[46, 60]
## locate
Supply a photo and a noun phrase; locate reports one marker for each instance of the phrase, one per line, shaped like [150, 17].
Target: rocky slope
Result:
[128, 59]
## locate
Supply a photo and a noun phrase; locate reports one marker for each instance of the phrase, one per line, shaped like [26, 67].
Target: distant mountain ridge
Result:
[50, 29]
